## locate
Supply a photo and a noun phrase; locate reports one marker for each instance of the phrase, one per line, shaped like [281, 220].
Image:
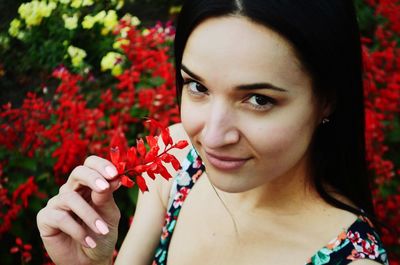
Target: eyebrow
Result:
[263, 85]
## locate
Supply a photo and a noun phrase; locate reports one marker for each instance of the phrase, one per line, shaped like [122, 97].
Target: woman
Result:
[271, 100]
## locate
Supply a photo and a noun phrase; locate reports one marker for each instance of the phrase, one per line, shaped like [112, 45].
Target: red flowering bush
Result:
[381, 54]
[78, 114]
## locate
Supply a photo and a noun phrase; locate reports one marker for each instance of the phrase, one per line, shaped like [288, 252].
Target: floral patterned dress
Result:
[359, 241]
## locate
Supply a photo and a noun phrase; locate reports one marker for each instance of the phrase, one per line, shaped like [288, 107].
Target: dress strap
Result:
[359, 241]
[192, 169]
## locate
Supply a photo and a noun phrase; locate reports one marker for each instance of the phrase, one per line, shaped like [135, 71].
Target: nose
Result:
[220, 127]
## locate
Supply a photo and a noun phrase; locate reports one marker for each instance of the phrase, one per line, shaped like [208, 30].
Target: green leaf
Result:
[133, 194]
[156, 81]
[138, 112]
[24, 163]
[42, 177]
[393, 136]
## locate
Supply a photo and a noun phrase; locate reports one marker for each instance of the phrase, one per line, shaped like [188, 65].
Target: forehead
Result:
[241, 50]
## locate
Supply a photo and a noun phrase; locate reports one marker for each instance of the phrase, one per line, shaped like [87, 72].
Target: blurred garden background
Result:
[77, 75]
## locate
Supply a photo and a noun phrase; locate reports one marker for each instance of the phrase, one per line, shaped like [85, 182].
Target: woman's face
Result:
[247, 104]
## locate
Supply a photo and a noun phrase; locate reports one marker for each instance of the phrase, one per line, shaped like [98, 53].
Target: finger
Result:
[52, 221]
[102, 200]
[85, 176]
[72, 201]
[105, 206]
[101, 165]
[115, 184]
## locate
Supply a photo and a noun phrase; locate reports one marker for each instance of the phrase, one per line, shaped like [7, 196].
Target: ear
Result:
[326, 109]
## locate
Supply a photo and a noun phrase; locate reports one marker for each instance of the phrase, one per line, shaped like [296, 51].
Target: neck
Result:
[290, 194]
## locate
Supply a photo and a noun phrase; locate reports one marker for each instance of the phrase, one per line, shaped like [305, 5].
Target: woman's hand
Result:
[80, 224]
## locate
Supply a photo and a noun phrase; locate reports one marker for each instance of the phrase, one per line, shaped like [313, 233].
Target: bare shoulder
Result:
[144, 234]
[161, 186]
[365, 262]
[178, 132]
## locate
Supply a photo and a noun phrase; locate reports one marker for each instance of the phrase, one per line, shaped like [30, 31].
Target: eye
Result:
[261, 102]
[194, 87]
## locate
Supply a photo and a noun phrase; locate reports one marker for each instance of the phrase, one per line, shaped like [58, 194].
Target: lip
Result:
[222, 162]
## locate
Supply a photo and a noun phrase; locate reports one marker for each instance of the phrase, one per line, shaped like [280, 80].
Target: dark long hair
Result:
[326, 38]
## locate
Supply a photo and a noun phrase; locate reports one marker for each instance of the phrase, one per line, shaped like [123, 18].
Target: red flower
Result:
[136, 160]
[24, 249]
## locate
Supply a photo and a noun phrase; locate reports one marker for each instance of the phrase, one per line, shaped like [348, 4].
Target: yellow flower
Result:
[87, 3]
[135, 21]
[145, 32]
[110, 21]
[48, 9]
[119, 4]
[15, 25]
[88, 22]
[112, 61]
[76, 3]
[124, 32]
[70, 22]
[175, 10]
[33, 12]
[4, 42]
[100, 16]
[77, 55]
[79, 3]
[117, 70]
[65, 2]
[117, 45]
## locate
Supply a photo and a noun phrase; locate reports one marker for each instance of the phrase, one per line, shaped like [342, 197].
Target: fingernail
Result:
[102, 184]
[111, 171]
[90, 242]
[102, 227]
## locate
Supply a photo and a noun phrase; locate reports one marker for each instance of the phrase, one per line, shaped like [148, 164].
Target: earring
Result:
[325, 120]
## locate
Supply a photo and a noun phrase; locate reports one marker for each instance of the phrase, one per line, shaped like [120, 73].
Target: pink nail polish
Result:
[90, 242]
[102, 227]
[102, 184]
[112, 172]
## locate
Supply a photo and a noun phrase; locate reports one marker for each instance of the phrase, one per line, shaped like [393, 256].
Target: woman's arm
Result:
[144, 234]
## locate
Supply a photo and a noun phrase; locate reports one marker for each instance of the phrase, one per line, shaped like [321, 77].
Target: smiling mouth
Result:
[224, 162]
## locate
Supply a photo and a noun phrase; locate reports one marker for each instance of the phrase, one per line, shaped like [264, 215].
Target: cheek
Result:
[283, 138]
[293, 130]
[191, 120]
[282, 143]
